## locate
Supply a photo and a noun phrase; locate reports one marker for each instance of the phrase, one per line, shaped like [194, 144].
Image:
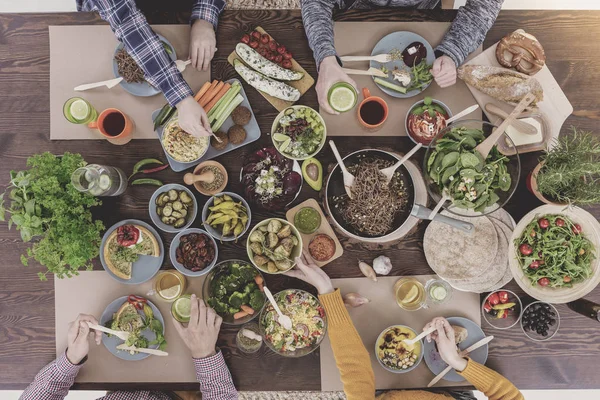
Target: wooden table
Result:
[27, 305]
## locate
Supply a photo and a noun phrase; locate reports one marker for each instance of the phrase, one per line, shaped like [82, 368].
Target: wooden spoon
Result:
[410, 343]
[485, 147]
[521, 126]
[154, 352]
[120, 334]
[207, 177]
[348, 177]
[461, 114]
[389, 171]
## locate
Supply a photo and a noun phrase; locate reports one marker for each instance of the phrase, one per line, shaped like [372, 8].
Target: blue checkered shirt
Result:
[132, 29]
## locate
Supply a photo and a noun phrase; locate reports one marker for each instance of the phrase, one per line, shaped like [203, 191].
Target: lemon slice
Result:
[411, 296]
[170, 293]
[79, 110]
[342, 98]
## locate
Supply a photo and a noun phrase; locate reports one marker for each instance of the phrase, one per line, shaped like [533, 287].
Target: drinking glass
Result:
[99, 180]
[79, 111]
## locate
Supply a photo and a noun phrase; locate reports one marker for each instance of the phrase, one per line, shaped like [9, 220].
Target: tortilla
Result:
[455, 255]
[503, 216]
[507, 277]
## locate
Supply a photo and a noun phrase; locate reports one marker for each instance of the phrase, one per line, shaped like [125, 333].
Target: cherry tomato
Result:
[278, 58]
[576, 229]
[253, 44]
[503, 297]
[543, 281]
[525, 249]
[494, 299]
[567, 279]
[281, 49]
[264, 39]
[273, 45]
[543, 223]
[505, 314]
[532, 234]
[287, 55]
[246, 39]
[286, 64]
[271, 57]
[559, 222]
[263, 52]
[534, 264]
[487, 306]
[256, 35]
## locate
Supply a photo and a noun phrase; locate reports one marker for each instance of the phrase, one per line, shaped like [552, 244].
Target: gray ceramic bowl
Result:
[216, 232]
[156, 219]
[180, 267]
[418, 104]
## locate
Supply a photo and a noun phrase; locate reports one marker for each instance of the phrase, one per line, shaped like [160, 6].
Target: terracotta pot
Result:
[533, 187]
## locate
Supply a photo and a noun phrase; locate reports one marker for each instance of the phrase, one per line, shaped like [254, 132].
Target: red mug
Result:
[372, 107]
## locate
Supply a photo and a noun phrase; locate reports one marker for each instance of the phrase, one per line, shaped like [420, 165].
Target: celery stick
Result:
[225, 104]
[229, 96]
[227, 112]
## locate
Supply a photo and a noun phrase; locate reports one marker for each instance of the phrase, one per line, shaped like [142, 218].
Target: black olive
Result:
[552, 321]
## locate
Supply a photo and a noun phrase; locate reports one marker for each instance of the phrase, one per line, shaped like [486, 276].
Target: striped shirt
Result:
[55, 379]
[132, 29]
[467, 32]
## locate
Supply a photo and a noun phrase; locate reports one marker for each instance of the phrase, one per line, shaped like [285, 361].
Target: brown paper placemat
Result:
[84, 54]
[90, 293]
[372, 318]
[359, 38]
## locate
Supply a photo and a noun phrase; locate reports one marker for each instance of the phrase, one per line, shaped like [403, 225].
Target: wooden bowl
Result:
[197, 185]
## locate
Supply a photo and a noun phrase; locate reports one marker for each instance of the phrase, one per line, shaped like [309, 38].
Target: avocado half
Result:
[312, 171]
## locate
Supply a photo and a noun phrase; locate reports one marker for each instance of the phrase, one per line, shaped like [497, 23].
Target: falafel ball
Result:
[215, 143]
[237, 134]
[241, 115]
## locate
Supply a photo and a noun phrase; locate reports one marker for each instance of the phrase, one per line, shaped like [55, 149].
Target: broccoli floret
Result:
[236, 299]
[257, 299]
[218, 306]
[249, 288]
[243, 271]
[232, 283]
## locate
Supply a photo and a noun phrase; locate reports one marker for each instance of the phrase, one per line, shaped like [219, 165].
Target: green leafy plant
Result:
[571, 170]
[48, 211]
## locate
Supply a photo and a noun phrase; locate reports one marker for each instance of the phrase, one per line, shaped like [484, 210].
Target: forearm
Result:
[469, 29]
[208, 10]
[350, 354]
[318, 25]
[214, 378]
[491, 383]
[144, 46]
[53, 381]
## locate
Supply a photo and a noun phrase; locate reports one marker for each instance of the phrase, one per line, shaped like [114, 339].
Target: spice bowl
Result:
[201, 187]
[215, 233]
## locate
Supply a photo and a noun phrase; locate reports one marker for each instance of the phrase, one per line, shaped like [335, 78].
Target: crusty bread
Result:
[460, 334]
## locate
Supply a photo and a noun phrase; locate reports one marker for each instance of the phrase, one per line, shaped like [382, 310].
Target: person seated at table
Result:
[200, 336]
[140, 41]
[352, 358]
[464, 36]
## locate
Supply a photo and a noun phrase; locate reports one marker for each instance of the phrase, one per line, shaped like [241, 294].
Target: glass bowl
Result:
[513, 316]
[513, 169]
[244, 347]
[207, 291]
[552, 327]
[271, 328]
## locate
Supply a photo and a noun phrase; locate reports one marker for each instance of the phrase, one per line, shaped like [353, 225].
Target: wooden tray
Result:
[324, 228]
[302, 85]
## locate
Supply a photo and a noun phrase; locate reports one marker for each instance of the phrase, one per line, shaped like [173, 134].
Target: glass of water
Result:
[99, 180]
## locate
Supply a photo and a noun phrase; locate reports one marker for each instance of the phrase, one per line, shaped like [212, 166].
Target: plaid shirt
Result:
[55, 379]
[132, 29]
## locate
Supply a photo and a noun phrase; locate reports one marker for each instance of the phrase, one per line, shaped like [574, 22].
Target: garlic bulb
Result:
[367, 270]
[382, 265]
[353, 300]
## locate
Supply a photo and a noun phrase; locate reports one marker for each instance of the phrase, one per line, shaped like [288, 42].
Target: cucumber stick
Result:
[389, 85]
[224, 102]
[226, 112]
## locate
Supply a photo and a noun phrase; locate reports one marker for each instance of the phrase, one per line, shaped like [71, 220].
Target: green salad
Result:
[299, 133]
[553, 251]
[461, 172]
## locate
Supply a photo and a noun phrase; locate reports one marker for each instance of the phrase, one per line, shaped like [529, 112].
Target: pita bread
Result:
[507, 277]
[503, 216]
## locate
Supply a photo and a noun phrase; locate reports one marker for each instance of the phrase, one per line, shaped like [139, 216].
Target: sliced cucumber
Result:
[104, 182]
[390, 85]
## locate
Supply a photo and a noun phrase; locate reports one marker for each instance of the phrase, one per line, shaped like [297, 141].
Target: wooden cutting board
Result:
[555, 107]
[302, 85]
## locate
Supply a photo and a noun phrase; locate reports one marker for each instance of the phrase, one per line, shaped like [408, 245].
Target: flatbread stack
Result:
[476, 262]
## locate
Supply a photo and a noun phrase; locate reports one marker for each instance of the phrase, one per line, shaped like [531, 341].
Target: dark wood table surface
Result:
[27, 335]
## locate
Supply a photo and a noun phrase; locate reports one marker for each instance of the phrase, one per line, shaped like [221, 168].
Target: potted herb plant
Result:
[569, 173]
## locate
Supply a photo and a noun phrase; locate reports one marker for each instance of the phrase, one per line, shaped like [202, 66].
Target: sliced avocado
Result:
[312, 171]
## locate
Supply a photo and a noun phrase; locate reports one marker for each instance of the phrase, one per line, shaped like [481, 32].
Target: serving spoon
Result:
[389, 171]
[348, 177]
[521, 126]
[283, 320]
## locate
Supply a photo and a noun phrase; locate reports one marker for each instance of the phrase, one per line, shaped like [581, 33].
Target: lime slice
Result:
[79, 110]
[170, 293]
[411, 296]
[438, 293]
[285, 145]
[182, 309]
[342, 98]
[279, 137]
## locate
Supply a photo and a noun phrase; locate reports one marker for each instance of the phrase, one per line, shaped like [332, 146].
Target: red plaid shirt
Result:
[55, 379]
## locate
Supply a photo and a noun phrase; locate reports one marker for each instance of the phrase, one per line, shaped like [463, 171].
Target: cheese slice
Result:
[521, 139]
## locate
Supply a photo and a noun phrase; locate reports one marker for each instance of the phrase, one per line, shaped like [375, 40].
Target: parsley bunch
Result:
[48, 211]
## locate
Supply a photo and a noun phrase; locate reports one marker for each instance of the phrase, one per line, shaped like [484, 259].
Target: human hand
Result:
[307, 271]
[330, 73]
[202, 331]
[202, 44]
[446, 344]
[192, 118]
[77, 338]
[444, 71]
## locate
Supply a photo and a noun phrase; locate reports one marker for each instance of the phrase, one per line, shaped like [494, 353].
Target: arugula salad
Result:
[553, 251]
[461, 172]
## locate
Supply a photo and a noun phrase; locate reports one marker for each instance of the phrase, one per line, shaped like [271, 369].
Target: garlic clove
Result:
[382, 265]
[367, 270]
[353, 300]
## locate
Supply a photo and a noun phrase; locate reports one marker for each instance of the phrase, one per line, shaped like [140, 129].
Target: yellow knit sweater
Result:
[353, 361]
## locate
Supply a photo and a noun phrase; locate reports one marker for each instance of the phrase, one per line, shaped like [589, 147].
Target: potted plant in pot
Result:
[569, 173]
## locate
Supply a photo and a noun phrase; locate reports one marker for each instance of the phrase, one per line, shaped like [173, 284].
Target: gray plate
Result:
[215, 232]
[435, 362]
[399, 40]
[175, 245]
[156, 219]
[145, 267]
[252, 134]
[143, 89]
[112, 342]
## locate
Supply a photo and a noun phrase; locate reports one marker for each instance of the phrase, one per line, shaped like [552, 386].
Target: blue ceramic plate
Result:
[434, 360]
[191, 212]
[398, 41]
[175, 245]
[145, 267]
[112, 342]
[143, 89]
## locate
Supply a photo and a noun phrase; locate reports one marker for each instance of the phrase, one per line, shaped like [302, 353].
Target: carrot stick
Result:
[259, 280]
[212, 85]
[247, 309]
[202, 90]
[218, 97]
[211, 94]
[240, 314]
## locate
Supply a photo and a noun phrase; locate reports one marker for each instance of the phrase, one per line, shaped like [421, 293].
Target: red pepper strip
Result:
[151, 170]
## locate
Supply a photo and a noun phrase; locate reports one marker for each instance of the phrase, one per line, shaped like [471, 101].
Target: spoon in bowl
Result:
[348, 177]
[283, 320]
[389, 171]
